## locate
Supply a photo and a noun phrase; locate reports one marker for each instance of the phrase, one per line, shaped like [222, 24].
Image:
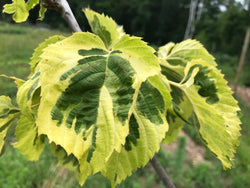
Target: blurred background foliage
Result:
[220, 25]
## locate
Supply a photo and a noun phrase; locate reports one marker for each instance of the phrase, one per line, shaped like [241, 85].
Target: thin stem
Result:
[35, 105]
[161, 172]
[63, 7]
[174, 84]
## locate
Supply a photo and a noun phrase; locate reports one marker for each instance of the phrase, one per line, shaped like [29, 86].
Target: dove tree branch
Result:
[161, 172]
[63, 7]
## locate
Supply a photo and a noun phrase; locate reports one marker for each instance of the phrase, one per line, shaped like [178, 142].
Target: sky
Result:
[222, 8]
[241, 1]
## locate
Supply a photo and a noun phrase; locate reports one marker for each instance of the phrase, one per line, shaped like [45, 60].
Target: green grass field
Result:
[16, 48]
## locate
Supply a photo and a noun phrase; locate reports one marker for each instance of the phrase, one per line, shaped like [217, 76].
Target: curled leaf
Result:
[8, 114]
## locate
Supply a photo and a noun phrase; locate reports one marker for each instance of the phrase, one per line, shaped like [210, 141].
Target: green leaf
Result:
[39, 50]
[42, 12]
[147, 128]
[139, 54]
[28, 142]
[8, 115]
[198, 89]
[88, 94]
[120, 165]
[178, 115]
[6, 107]
[32, 3]
[20, 9]
[28, 96]
[186, 51]
[214, 109]
[120, 31]
[103, 26]
[67, 161]
[174, 58]
[165, 50]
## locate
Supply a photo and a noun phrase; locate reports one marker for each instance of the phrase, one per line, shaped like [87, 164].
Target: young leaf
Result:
[187, 51]
[165, 50]
[31, 4]
[20, 9]
[173, 58]
[194, 77]
[8, 115]
[214, 109]
[42, 12]
[28, 142]
[103, 26]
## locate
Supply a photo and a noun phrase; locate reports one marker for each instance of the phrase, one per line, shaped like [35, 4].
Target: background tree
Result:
[217, 22]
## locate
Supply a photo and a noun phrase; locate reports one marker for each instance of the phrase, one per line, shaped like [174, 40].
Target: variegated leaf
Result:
[8, 115]
[178, 115]
[173, 59]
[35, 59]
[88, 93]
[103, 26]
[147, 128]
[28, 142]
[28, 96]
[215, 111]
[104, 101]
[64, 160]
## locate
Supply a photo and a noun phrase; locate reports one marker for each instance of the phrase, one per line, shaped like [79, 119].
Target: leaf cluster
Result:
[105, 101]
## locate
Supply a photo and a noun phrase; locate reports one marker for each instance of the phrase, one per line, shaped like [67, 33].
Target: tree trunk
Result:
[191, 19]
[242, 59]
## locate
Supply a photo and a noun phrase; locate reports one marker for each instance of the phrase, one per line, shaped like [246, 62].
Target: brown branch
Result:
[63, 7]
[161, 172]
[242, 60]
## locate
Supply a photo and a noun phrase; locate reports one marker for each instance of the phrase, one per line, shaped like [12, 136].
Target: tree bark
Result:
[191, 19]
[63, 7]
[242, 60]
[161, 172]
